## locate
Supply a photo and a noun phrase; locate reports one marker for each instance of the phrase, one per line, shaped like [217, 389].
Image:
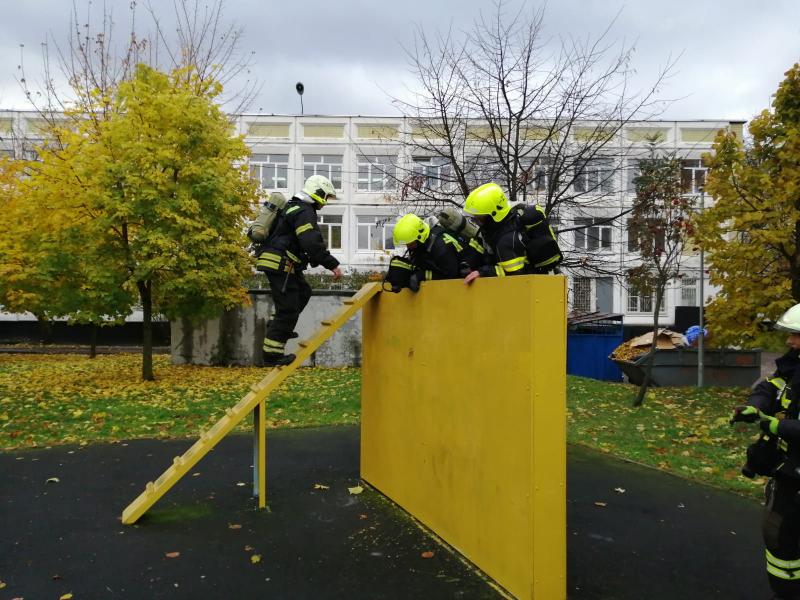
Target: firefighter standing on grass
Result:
[775, 405]
[295, 243]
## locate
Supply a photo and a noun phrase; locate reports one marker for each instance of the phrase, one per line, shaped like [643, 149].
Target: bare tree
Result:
[660, 220]
[495, 103]
[79, 75]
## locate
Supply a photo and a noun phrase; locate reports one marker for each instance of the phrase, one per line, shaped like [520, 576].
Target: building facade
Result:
[365, 158]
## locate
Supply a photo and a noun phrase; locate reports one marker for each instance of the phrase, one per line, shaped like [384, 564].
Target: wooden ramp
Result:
[253, 400]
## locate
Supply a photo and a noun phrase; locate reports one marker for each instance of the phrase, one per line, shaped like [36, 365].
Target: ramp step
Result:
[234, 415]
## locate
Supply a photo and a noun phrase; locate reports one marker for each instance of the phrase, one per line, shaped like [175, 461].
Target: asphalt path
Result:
[633, 532]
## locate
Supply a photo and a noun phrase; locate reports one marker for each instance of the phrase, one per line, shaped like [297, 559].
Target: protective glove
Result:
[744, 414]
[769, 424]
[413, 283]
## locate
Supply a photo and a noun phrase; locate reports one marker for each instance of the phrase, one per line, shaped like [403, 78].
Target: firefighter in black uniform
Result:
[500, 231]
[295, 242]
[433, 253]
[775, 404]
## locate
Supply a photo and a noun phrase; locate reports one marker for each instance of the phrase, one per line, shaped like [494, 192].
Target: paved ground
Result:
[661, 538]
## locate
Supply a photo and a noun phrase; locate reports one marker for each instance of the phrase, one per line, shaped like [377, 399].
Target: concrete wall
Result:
[236, 337]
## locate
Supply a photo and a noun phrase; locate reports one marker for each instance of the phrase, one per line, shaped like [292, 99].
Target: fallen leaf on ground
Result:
[355, 490]
[2, 585]
[619, 490]
[172, 554]
[241, 484]
[363, 517]
[234, 526]
[248, 548]
[66, 596]
[319, 486]
[601, 504]
[427, 554]
[255, 558]
[52, 480]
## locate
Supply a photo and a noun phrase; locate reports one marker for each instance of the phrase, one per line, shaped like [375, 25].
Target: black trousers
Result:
[291, 295]
[781, 530]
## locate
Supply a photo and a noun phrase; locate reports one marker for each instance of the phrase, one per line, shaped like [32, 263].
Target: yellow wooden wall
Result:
[464, 422]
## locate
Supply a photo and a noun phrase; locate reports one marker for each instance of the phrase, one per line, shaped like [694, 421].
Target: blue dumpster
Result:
[591, 338]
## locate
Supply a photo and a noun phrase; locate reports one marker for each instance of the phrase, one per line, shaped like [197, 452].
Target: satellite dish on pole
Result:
[300, 89]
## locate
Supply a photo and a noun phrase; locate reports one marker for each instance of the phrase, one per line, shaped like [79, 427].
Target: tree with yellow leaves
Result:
[752, 232]
[150, 197]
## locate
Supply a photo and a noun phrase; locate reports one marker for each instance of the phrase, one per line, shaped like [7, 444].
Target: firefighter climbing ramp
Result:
[253, 401]
[463, 420]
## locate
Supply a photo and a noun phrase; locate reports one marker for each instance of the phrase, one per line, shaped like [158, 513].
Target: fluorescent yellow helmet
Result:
[320, 189]
[488, 199]
[790, 320]
[410, 228]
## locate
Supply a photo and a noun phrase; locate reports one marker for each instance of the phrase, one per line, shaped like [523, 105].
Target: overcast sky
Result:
[349, 53]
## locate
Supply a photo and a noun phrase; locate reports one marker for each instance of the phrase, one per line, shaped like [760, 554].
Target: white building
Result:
[357, 153]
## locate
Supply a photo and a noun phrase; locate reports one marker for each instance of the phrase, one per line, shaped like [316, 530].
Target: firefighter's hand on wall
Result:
[413, 283]
[744, 414]
[471, 277]
[769, 424]
[337, 273]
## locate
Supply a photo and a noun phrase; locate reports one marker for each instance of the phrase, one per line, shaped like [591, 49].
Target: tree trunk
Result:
[147, 329]
[648, 366]
[45, 330]
[93, 340]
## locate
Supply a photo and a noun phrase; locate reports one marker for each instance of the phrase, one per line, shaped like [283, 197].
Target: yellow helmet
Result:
[488, 199]
[320, 189]
[410, 228]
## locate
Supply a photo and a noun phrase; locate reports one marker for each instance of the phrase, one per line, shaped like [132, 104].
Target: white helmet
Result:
[790, 320]
[320, 189]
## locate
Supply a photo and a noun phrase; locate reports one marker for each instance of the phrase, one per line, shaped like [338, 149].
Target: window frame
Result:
[379, 167]
[273, 165]
[591, 168]
[326, 165]
[387, 225]
[582, 237]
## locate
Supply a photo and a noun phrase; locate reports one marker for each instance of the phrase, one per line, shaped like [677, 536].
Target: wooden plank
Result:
[233, 416]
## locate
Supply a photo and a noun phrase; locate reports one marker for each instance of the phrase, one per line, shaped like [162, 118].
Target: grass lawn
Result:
[70, 399]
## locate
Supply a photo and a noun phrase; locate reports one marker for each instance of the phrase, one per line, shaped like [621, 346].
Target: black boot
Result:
[276, 359]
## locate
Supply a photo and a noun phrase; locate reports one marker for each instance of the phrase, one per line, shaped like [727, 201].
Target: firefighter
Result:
[433, 253]
[775, 404]
[295, 242]
[501, 232]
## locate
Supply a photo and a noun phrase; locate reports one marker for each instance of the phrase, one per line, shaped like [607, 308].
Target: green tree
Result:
[151, 197]
[751, 232]
[660, 221]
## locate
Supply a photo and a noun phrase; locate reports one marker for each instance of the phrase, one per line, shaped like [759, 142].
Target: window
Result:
[636, 236]
[632, 172]
[642, 302]
[595, 176]
[688, 291]
[270, 170]
[594, 234]
[375, 232]
[536, 177]
[331, 227]
[329, 165]
[582, 295]
[376, 173]
[693, 176]
[434, 171]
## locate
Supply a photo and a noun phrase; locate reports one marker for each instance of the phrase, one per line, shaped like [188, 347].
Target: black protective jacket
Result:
[506, 242]
[780, 393]
[296, 238]
[437, 257]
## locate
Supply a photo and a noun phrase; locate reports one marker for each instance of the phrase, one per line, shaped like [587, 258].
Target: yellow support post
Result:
[463, 420]
[233, 416]
[260, 453]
